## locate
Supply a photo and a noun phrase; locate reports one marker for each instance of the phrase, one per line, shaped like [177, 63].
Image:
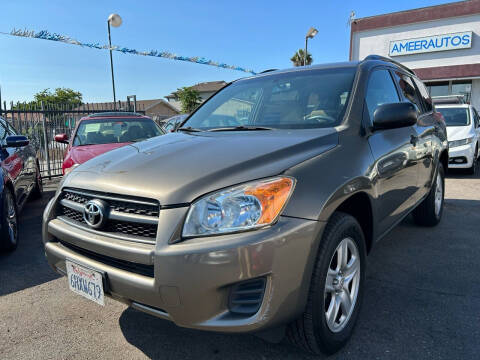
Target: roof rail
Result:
[383, 58]
[114, 114]
[268, 70]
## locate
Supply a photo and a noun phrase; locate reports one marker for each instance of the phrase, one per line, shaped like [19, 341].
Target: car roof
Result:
[114, 115]
[346, 64]
[369, 60]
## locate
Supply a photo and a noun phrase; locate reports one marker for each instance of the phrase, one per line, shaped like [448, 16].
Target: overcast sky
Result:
[253, 34]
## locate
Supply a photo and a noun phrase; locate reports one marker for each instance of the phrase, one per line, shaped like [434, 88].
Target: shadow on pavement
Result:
[461, 174]
[26, 266]
[161, 339]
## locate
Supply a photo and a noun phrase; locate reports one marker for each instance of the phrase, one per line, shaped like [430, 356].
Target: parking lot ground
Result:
[422, 300]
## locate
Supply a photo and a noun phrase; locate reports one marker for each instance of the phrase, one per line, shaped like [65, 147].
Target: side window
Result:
[427, 100]
[408, 89]
[380, 90]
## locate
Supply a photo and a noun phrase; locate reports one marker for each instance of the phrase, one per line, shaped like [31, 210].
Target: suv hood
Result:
[459, 132]
[178, 167]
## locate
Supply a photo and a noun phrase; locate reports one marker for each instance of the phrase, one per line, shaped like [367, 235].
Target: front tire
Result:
[430, 210]
[9, 222]
[473, 169]
[336, 289]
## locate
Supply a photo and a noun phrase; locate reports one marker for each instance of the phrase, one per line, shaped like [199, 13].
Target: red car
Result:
[98, 133]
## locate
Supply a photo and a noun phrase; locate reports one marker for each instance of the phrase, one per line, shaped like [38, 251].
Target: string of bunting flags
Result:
[46, 35]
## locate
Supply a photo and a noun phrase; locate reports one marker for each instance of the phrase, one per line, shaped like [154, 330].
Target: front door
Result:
[395, 155]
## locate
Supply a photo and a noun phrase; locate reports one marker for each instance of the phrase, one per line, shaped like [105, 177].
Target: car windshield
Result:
[455, 116]
[119, 130]
[292, 100]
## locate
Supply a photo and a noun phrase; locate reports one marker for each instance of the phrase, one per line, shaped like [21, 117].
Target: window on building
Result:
[462, 88]
[381, 90]
[438, 88]
[452, 87]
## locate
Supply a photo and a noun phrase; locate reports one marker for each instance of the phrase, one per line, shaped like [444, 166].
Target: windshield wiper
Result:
[189, 129]
[241, 128]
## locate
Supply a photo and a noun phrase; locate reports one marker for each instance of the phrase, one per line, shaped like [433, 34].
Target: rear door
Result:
[413, 90]
[394, 153]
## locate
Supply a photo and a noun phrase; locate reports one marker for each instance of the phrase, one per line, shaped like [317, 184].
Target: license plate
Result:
[85, 282]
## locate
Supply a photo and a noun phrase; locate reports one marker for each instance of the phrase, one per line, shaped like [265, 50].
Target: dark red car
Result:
[98, 133]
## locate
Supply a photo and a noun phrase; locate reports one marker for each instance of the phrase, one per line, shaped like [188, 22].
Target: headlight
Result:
[68, 170]
[460, 142]
[249, 206]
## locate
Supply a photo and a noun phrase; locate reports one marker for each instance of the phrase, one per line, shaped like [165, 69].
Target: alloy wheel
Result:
[438, 195]
[342, 285]
[11, 218]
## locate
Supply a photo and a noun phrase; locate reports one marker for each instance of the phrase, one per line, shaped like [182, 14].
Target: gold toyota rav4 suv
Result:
[259, 212]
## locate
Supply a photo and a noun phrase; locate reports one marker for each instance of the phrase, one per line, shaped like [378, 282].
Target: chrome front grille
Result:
[129, 218]
[118, 205]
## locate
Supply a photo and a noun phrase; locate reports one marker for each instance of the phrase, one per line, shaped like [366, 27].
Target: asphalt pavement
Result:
[422, 301]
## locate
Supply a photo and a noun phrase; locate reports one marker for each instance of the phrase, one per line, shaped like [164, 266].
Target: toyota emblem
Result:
[94, 213]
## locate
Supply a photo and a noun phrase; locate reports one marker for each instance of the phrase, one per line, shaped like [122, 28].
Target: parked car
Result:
[172, 123]
[258, 213]
[21, 180]
[98, 133]
[463, 132]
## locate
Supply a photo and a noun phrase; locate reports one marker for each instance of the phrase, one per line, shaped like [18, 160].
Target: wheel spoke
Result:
[342, 256]
[332, 311]
[345, 301]
[351, 270]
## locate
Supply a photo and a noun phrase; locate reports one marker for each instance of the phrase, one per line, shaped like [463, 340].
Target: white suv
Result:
[463, 131]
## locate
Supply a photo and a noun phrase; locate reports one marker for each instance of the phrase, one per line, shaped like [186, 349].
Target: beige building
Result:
[440, 43]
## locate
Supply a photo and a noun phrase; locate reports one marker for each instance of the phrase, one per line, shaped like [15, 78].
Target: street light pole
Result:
[116, 21]
[310, 34]
[304, 55]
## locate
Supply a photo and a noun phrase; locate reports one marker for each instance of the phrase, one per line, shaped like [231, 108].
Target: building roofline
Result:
[429, 13]
[161, 101]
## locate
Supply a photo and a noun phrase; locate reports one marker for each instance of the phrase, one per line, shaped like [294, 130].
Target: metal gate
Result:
[40, 122]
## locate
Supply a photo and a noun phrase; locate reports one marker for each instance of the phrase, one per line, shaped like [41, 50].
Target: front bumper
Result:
[465, 153]
[192, 280]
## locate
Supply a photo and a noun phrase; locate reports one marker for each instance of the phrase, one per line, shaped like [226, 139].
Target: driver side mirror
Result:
[61, 138]
[394, 115]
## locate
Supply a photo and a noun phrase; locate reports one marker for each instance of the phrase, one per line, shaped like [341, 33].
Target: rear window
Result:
[121, 130]
[455, 116]
[293, 100]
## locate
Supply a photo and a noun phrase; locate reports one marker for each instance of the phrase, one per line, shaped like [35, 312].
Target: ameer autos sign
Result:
[443, 42]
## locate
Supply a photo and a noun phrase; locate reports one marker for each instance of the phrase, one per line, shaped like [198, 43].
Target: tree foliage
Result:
[297, 58]
[189, 98]
[60, 96]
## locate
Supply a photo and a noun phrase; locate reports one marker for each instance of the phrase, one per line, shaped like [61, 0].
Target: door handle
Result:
[413, 140]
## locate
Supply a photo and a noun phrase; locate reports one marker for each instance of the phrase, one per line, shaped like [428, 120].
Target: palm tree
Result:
[297, 59]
